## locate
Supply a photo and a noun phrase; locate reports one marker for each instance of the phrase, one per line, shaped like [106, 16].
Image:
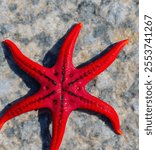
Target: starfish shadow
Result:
[44, 116]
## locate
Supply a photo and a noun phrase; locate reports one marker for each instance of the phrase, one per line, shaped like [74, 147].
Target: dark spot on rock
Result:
[99, 30]
[106, 2]
[132, 91]
[66, 17]
[25, 41]
[86, 7]
[125, 57]
[106, 93]
[43, 39]
[12, 7]
[17, 36]
[3, 30]
[136, 2]
[2, 58]
[25, 18]
[86, 10]
[9, 132]
[126, 24]
[122, 56]
[35, 2]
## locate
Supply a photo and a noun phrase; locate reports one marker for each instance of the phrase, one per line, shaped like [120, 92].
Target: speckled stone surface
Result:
[36, 26]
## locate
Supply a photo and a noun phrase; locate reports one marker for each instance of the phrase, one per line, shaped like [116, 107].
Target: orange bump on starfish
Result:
[62, 87]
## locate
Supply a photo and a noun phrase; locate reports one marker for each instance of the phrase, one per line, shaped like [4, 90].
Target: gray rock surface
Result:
[36, 25]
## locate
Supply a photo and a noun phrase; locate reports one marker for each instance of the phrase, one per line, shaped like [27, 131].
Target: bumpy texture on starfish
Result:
[62, 87]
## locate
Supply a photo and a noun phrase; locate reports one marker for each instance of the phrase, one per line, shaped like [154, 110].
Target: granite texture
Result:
[36, 26]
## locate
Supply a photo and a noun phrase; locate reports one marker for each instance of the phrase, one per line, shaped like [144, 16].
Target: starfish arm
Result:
[30, 103]
[59, 124]
[92, 103]
[88, 72]
[66, 51]
[32, 68]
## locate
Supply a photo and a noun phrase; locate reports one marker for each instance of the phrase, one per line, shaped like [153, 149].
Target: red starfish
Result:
[62, 87]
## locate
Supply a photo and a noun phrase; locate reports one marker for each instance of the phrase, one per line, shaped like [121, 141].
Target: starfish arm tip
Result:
[80, 24]
[9, 43]
[120, 132]
[6, 41]
[122, 43]
[126, 41]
